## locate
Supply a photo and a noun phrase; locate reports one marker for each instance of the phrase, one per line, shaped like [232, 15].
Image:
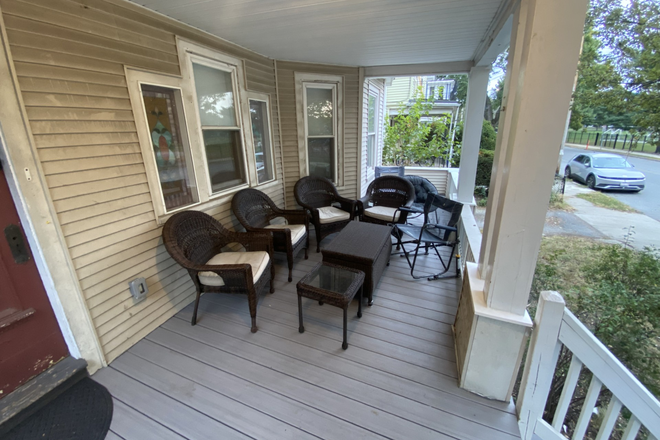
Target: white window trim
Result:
[192, 131]
[263, 97]
[376, 131]
[336, 81]
[135, 79]
[189, 52]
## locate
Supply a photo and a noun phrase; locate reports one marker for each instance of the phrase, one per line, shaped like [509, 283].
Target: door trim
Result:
[35, 208]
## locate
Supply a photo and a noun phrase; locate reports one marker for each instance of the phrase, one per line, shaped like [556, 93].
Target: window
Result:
[261, 137]
[221, 133]
[191, 130]
[319, 99]
[372, 110]
[169, 139]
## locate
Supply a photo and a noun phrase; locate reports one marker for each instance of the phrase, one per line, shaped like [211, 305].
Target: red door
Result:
[30, 338]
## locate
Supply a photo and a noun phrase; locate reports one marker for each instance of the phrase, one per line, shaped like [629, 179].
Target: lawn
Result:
[605, 201]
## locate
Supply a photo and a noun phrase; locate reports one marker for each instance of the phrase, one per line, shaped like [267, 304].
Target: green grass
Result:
[605, 201]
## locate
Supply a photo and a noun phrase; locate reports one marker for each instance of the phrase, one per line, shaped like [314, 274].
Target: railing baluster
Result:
[567, 393]
[587, 408]
[609, 420]
[632, 429]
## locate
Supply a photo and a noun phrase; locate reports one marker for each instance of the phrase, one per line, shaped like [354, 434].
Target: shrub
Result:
[614, 291]
[488, 136]
[484, 167]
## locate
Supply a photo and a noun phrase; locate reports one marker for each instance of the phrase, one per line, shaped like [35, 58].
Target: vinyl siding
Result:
[401, 90]
[351, 112]
[372, 87]
[69, 56]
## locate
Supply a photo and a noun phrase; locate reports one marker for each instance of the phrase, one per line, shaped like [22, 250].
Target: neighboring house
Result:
[405, 89]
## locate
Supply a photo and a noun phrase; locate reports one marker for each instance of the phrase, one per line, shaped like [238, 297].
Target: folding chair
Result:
[431, 235]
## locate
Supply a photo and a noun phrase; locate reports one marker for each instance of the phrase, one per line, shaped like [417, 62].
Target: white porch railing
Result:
[469, 234]
[555, 326]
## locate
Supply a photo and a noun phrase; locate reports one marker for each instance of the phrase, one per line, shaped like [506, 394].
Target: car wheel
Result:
[591, 181]
[567, 172]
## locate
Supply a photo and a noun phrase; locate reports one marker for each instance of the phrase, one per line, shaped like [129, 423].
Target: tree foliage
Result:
[619, 71]
[409, 140]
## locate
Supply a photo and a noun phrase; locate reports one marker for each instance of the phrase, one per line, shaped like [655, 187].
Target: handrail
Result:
[555, 326]
[469, 234]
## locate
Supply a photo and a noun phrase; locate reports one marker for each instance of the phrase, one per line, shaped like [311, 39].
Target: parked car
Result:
[605, 171]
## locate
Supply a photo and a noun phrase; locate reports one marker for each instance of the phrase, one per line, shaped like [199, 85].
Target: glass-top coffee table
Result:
[334, 285]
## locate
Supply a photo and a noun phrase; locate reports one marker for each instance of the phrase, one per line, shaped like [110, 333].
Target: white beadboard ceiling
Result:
[347, 32]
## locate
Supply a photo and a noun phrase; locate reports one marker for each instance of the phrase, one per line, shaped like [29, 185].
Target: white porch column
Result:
[474, 116]
[492, 323]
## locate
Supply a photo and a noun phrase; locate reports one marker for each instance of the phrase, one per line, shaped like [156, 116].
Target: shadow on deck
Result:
[216, 380]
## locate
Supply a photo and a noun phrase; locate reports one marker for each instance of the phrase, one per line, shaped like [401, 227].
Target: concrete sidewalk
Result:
[643, 231]
[590, 221]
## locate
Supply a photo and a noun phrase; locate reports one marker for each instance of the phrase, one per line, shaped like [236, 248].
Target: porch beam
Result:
[448, 68]
[474, 116]
[497, 35]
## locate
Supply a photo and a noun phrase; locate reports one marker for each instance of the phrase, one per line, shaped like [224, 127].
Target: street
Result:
[646, 201]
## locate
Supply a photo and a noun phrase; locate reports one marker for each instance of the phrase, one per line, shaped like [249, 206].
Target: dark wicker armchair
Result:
[255, 210]
[196, 240]
[318, 195]
[385, 195]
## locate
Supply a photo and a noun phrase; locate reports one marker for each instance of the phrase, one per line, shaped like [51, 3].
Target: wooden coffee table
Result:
[365, 247]
[334, 285]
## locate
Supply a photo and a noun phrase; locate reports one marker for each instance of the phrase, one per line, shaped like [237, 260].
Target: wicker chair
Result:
[196, 240]
[423, 189]
[385, 195]
[317, 195]
[254, 210]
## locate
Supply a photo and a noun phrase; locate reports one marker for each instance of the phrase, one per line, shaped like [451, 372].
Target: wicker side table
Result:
[334, 285]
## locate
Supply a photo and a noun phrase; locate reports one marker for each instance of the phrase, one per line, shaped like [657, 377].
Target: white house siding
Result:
[69, 56]
[377, 87]
[287, 94]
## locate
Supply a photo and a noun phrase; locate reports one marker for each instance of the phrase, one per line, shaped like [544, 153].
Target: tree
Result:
[408, 140]
[619, 66]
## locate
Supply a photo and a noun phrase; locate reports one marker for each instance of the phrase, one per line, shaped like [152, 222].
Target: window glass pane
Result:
[173, 161]
[371, 146]
[319, 112]
[224, 158]
[215, 96]
[321, 155]
[261, 137]
[372, 114]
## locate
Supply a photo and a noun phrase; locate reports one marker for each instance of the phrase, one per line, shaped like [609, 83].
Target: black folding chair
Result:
[432, 235]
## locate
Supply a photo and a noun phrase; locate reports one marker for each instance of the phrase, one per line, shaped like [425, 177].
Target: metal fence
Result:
[621, 141]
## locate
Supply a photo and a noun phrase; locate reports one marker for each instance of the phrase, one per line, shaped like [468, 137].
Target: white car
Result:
[605, 171]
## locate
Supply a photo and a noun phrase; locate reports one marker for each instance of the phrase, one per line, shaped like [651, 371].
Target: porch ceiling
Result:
[346, 32]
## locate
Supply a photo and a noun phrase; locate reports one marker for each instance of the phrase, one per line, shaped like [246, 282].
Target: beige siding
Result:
[287, 94]
[69, 56]
[372, 87]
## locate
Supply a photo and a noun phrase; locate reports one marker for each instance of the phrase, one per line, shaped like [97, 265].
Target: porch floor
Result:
[216, 380]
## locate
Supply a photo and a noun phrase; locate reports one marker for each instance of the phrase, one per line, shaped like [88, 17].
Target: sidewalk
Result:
[594, 222]
[649, 156]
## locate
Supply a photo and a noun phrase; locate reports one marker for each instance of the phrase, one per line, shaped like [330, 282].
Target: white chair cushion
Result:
[258, 260]
[330, 214]
[297, 231]
[382, 213]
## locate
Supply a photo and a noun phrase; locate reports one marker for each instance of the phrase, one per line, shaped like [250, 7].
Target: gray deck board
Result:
[397, 379]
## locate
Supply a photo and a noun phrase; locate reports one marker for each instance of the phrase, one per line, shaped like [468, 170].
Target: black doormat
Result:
[83, 412]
